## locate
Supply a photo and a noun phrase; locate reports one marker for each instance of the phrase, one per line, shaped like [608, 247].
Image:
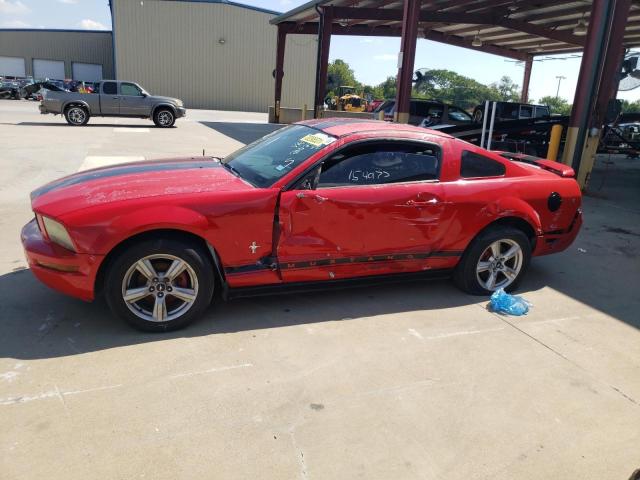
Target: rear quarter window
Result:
[474, 165]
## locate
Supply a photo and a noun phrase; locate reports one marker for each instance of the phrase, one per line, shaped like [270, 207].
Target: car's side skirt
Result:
[301, 287]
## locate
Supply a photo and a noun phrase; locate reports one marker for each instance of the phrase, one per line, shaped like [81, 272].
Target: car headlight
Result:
[57, 233]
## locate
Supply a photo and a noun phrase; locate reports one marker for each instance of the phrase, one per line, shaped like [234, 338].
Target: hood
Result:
[157, 98]
[134, 181]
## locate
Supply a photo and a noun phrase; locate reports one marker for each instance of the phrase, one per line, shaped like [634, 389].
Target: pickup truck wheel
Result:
[76, 116]
[160, 285]
[164, 118]
[497, 258]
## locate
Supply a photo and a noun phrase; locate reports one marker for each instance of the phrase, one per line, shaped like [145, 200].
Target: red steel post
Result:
[410, 17]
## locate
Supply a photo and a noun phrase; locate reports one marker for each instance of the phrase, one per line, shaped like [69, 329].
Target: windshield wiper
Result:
[231, 169]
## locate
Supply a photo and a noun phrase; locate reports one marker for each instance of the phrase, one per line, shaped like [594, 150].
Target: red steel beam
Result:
[464, 43]
[407, 58]
[462, 18]
[367, 31]
[324, 44]
[613, 61]
[279, 71]
[524, 96]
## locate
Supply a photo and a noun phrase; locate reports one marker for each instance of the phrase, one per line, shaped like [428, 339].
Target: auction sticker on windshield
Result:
[317, 139]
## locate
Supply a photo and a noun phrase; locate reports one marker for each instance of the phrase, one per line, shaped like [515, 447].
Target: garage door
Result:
[12, 66]
[53, 69]
[86, 72]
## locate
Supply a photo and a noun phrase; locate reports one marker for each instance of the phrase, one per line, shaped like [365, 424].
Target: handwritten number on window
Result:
[356, 175]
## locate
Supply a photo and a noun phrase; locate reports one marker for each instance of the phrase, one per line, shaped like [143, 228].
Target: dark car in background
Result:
[427, 113]
[10, 89]
[512, 111]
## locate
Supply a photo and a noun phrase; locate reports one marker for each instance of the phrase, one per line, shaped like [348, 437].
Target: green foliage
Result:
[465, 92]
[557, 105]
[339, 74]
[507, 89]
[630, 107]
[387, 89]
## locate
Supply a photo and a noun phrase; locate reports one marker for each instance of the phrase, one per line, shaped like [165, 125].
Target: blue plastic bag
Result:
[502, 302]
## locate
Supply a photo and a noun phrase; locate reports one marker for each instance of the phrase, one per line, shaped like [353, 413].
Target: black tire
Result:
[76, 115]
[164, 117]
[199, 265]
[466, 276]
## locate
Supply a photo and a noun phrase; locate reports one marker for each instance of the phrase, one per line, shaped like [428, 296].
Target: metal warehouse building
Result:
[213, 54]
[79, 54]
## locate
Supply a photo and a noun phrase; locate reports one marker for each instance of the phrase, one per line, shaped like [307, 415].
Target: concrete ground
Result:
[410, 381]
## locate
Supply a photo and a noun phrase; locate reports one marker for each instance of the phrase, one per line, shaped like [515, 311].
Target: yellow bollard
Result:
[554, 142]
[304, 112]
[381, 115]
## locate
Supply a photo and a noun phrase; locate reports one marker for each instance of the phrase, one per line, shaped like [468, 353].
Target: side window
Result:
[381, 163]
[542, 112]
[526, 111]
[130, 90]
[473, 165]
[459, 115]
[110, 88]
[509, 110]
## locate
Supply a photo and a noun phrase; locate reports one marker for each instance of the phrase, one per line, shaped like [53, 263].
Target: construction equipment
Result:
[347, 100]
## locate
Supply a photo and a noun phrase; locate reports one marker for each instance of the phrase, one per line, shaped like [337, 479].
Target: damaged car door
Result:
[373, 207]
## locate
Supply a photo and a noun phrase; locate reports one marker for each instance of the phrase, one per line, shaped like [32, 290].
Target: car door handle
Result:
[317, 198]
[115, 98]
[413, 203]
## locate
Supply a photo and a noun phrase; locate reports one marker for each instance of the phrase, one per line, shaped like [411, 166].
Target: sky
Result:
[372, 58]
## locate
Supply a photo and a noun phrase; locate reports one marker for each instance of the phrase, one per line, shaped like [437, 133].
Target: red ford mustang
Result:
[315, 203]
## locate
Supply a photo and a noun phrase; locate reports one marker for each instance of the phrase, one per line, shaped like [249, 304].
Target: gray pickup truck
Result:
[113, 98]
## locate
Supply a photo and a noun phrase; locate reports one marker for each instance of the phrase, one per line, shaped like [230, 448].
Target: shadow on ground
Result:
[601, 269]
[243, 132]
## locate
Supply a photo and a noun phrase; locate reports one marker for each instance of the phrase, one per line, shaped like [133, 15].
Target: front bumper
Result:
[554, 242]
[71, 273]
[181, 112]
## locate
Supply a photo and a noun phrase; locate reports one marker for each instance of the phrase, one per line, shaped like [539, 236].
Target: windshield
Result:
[270, 158]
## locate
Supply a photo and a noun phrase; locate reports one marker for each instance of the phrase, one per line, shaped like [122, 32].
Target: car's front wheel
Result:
[497, 258]
[164, 118]
[160, 285]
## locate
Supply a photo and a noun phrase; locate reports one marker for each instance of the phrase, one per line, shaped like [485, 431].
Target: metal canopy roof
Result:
[516, 29]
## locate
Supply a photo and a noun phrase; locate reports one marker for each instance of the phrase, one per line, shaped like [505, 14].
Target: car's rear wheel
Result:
[497, 258]
[76, 115]
[164, 117]
[160, 285]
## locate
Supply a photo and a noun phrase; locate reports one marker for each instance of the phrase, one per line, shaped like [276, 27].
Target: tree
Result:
[340, 73]
[387, 89]
[630, 107]
[451, 87]
[507, 89]
[557, 105]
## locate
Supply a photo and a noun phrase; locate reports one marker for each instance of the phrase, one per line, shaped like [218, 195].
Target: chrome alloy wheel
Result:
[500, 264]
[165, 118]
[77, 115]
[160, 288]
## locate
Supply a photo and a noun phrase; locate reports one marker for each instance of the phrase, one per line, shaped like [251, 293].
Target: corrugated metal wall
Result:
[70, 46]
[174, 48]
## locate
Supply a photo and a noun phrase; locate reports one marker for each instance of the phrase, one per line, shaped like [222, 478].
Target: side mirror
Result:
[307, 184]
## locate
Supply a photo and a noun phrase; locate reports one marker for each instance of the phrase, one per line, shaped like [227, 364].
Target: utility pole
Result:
[560, 78]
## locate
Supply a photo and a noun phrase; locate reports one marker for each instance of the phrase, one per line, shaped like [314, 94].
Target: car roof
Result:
[340, 127]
